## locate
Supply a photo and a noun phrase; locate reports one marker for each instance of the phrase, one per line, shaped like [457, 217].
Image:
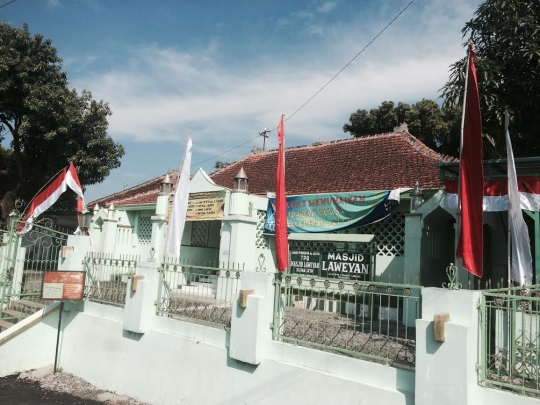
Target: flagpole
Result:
[509, 242]
[458, 213]
[464, 106]
[41, 189]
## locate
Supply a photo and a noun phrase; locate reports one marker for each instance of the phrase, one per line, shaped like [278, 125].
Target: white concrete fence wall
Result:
[168, 361]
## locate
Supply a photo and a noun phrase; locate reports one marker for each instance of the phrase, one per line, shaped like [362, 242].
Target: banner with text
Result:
[205, 206]
[344, 265]
[331, 212]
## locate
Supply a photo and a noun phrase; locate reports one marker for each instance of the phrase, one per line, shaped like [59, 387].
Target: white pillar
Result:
[108, 236]
[238, 233]
[250, 326]
[159, 228]
[140, 308]
[412, 265]
[413, 248]
[446, 371]
[73, 259]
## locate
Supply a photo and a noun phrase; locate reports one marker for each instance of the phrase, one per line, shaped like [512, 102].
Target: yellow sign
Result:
[205, 206]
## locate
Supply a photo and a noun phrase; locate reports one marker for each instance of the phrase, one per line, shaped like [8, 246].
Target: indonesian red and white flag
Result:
[471, 177]
[50, 194]
[496, 194]
[282, 243]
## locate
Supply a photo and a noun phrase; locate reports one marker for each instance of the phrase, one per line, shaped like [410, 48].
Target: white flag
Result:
[177, 221]
[521, 268]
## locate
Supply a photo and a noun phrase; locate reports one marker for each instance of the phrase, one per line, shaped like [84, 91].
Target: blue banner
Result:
[332, 211]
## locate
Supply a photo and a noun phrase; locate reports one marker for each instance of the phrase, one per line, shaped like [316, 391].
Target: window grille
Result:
[144, 230]
[389, 234]
[261, 241]
[199, 233]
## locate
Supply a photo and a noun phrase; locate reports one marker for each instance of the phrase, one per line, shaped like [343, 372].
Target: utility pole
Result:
[264, 133]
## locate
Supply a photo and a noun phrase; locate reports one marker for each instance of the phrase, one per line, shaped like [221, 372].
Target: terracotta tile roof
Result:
[144, 193]
[379, 162]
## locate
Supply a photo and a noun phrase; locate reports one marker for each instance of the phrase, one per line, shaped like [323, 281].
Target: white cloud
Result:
[315, 29]
[302, 15]
[53, 3]
[161, 94]
[326, 7]
[79, 63]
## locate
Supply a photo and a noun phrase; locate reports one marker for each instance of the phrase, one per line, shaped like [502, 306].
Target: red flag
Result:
[282, 244]
[72, 180]
[471, 176]
[50, 194]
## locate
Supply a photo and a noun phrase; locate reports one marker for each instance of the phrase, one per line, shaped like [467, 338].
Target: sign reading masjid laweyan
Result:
[344, 265]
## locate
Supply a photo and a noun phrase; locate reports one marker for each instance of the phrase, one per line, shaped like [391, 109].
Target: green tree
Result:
[506, 37]
[220, 164]
[377, 120]
[46, 123]
[437, 127]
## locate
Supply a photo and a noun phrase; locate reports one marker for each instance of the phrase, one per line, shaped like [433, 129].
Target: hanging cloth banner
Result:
[333, 211]
[50, 194]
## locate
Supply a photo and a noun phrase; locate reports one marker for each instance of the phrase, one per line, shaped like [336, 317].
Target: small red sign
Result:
[63, 285]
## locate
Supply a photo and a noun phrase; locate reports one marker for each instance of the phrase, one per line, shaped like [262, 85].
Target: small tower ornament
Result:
[241, 181]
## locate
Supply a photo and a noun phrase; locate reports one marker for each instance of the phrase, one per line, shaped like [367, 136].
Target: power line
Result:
[9, 2]
[227, 151]
[351, 61]
[326, 84]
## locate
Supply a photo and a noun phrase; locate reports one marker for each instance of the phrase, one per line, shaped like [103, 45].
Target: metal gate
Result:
[23, 258]
[510, 330]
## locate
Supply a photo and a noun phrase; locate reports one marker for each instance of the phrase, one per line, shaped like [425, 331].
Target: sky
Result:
[223, 71]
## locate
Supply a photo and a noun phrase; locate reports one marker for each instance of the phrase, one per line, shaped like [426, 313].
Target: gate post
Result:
[8, 269]
[159, 221]
[108, 235]
[251, 330]
[11, 244]
[446, 372]
[18, 269]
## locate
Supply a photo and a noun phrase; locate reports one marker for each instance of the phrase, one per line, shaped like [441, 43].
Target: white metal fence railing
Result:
[198, 293]
[510, 328]
[107, 277]
[363, 319]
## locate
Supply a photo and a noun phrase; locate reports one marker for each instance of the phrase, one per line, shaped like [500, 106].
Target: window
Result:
[199, 233]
